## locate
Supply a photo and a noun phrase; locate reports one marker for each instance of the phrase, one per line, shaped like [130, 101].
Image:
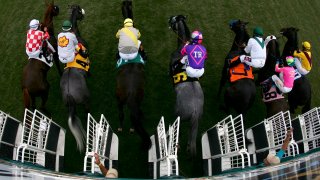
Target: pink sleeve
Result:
[46, 35]
[183, 51]
[277, 69]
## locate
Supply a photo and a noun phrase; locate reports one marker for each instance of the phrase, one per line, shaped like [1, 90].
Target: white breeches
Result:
[279, 84]
[194, 73]
[253, 62]
[298, 65]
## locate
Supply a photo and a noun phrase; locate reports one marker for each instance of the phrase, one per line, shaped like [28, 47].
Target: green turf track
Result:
[104, 18]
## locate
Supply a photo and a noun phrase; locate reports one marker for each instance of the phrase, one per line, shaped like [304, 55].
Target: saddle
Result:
[179, 73]
[239, 71]
[269, 91]
[122, 62]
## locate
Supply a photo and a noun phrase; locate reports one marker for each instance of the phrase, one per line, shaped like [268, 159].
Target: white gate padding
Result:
[10, 134]
[224, 147]
[276, 128]
[100, 140]
[310, 129]
[37, 131]
[163, 153]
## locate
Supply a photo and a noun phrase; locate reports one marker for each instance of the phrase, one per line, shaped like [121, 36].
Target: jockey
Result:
[35, 38]
[67, 43]
[303, 58]
[195, 55]
[286, 80]
[257, 50]
[129, 44]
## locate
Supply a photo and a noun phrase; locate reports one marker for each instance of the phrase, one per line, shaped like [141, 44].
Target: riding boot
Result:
[143, 54]
[117, 56]
[278, 90]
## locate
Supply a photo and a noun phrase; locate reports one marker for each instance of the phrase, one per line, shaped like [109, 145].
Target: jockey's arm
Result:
[46, 35]
[118, 34]
[139, 34]
[298, 54]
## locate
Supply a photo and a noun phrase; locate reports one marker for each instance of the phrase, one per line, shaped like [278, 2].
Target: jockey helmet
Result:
[290, 60]
[66, 26]
[128, 22]
[257, 31]
[34, 24]
[306, 45]
[196, 37]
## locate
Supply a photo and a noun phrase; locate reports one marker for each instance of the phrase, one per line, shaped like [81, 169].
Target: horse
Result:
[241, 93]
[130, 85]
[73, 84]
[47, 22]
[189, 94]
[300, 95]
[274, 101]
[34, 79]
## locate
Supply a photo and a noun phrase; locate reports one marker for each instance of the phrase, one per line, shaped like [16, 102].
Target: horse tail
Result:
[75, 124]
[192, 142]
[136, 116]
[26, 98]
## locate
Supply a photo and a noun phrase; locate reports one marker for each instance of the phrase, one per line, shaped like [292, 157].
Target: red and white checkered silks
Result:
[34, 40]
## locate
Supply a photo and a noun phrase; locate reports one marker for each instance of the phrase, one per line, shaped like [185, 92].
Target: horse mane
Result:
[74, 17]
[179, 26]
[241, 37]
[292, 41]
[126, 9]
[48, 17]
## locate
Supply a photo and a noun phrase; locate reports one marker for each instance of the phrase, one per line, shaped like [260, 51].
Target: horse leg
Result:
[307, 106]
[292, 105]
[57, 63]
[26, 98]
[121, 116]
[136, 117]
[44, 98]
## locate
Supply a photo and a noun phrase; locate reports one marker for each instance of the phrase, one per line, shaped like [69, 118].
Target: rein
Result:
[184, 42]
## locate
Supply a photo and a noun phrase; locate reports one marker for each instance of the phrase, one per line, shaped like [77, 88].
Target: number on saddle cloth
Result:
[269, 91]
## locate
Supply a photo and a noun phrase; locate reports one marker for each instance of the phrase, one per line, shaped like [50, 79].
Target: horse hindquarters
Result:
[276, 106]
[130, 91]
[74, 91]
[34, 83]
[189, 106]
[240, 95]
[300, 95]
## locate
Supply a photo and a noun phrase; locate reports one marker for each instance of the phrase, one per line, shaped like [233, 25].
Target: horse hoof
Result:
[119, 129]
[131, 131]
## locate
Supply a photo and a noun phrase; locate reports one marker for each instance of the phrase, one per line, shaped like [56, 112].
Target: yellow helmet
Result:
[128, 22]
[306, 45]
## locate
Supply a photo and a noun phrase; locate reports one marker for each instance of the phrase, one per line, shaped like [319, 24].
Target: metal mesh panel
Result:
[3, 118]
[310, 126]
[167, 146]
[162, 139]
[234, 154]
[97, 138]
[276, 127]
[32, 147]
